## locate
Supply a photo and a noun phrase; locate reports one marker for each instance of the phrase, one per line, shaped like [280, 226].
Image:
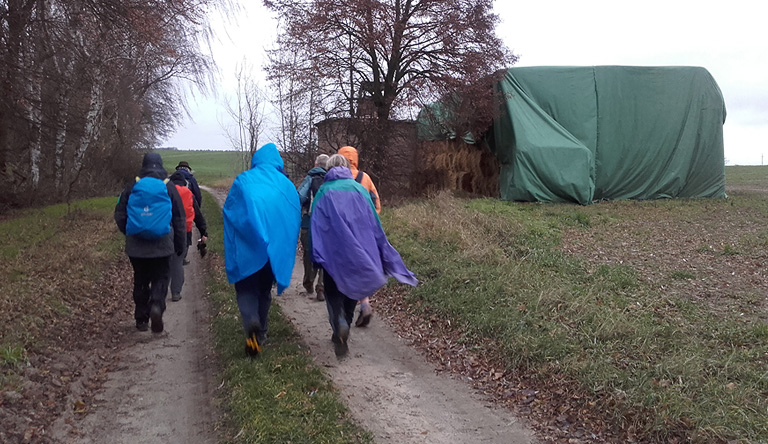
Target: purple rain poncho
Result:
[348, 240]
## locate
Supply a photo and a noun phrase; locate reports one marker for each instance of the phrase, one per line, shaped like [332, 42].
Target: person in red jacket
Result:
[366, 312]
[193, 214]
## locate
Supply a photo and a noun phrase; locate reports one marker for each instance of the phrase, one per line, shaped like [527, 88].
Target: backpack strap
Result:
[359, 178]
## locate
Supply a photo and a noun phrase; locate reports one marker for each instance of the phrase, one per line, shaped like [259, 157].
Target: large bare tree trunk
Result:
[34, 115]
[62, 117]
[92, 124]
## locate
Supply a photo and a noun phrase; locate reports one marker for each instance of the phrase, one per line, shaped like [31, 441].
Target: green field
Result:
[746, 176]
[209, 166]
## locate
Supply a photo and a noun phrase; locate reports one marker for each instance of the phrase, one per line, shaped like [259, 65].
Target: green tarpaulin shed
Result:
[583, 134]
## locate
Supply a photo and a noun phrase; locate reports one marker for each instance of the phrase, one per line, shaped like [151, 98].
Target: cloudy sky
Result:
[726, 38]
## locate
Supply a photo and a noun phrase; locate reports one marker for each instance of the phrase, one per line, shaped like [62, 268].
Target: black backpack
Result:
[359, 179]
[317, 182]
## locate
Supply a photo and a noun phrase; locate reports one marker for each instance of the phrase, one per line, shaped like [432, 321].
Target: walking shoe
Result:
[252, 345]
[308, 288]
[156, 316]
[340, 344]
[142, 326]
[364, 318]
[320, 295]
[185, 261]
[176, 297]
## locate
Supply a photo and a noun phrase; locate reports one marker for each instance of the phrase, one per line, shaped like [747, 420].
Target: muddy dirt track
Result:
[163, 388]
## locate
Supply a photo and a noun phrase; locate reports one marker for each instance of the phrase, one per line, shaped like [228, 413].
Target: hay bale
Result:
[455, 165]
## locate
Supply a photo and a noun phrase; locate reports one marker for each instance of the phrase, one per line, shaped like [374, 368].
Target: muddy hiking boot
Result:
[142, 325]
[309, 289]
[364, 318]
[320, 295]
[254, 340]
[176, 297]
[156, 316]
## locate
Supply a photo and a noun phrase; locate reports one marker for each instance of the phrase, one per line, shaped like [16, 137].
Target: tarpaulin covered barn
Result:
[582, 134]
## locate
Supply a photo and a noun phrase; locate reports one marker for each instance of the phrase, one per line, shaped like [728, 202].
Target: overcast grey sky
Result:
[727, 38]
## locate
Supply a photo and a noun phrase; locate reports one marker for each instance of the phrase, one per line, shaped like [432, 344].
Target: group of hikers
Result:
[156, 213]
[346, 254]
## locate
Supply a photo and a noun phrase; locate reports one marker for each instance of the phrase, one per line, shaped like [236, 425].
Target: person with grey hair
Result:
[307, 191]
[337, 160]
[349, 243]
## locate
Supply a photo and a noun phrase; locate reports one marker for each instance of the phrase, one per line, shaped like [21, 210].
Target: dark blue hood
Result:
[152, 166]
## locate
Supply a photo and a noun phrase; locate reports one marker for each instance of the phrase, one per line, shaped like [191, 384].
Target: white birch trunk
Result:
[34, 114]
[92, 121]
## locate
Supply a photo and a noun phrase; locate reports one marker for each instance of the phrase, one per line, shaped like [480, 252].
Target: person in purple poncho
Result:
[349, 243]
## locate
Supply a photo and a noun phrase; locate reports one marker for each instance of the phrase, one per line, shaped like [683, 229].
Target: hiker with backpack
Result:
[366, 312]
[307, 191]
[262, 218]
[193, 215]
[349, 242]
[151, 215]
[186, 171]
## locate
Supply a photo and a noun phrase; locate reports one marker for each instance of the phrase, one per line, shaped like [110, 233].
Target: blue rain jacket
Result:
[261, 220]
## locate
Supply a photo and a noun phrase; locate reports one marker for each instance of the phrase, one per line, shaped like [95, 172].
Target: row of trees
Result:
[377, 60]
[86, 84]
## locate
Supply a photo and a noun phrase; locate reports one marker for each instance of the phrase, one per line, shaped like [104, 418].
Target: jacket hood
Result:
[267, 156]
[152, 166]
[339, 172]
[316, 171]
[178, 178]
[350, 153]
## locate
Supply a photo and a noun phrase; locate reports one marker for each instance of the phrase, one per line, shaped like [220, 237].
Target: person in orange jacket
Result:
[193, 214]
[366, 312]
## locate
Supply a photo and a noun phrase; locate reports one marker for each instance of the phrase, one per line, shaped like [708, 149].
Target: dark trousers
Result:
[150, 284]
[340, 307]
[254, 296]
[177, 271]
[310, 272]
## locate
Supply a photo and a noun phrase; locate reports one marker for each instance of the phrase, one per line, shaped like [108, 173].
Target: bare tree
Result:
[246, 109]
[400, 53]
[298, 103]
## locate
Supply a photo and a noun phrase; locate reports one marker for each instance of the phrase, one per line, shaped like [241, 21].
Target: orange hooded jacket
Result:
[351, 154]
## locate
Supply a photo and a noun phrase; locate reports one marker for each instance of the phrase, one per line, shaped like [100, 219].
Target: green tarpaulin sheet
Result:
[583, 134]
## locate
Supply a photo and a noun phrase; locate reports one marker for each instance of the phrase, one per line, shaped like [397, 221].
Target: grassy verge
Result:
[280, 396]
[51, 259]
[661, 366]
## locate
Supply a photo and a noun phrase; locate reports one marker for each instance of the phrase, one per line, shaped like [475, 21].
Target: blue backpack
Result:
[149, 209]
